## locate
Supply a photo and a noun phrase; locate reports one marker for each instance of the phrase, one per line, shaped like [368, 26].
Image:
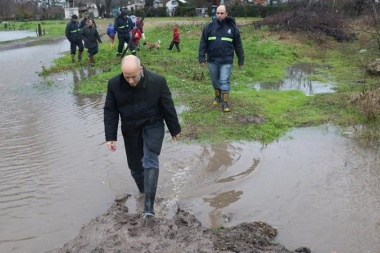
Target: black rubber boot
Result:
[150, 187]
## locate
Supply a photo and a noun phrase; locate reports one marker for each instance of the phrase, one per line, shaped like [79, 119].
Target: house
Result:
[171, 5]
[76, 7]
[134, 5]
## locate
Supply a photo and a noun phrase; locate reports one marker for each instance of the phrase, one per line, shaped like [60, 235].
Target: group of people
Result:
[129, 31]
[142, 101]
[77, 32]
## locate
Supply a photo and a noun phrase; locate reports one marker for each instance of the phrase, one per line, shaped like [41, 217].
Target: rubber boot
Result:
[217, 97]
[80, 56]
[150, 187]
[73, 58]
[225, 102]
[92, 62]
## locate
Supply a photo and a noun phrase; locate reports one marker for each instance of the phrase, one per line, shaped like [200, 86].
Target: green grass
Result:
[52, 28]
[256, 115]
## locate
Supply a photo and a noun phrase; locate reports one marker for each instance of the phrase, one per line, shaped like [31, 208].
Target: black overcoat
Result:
[148, 102]
[91, 37]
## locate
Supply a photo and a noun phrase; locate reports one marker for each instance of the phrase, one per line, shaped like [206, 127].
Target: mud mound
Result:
[118, 231]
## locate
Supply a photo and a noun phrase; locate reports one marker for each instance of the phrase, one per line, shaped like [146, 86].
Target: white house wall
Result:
[71, 11]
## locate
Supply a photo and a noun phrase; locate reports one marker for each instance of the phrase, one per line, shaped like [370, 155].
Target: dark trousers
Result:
[172, 44]
[122, 40]
[74, 45]
[142, 147]
[93, 51]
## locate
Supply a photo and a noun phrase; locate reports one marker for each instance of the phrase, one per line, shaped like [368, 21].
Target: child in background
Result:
[138, 33]
[175, 40]
[111, 34]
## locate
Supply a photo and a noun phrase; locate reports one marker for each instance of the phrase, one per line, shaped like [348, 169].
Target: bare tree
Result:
[6, 8]
[108, 6]
[101, 6]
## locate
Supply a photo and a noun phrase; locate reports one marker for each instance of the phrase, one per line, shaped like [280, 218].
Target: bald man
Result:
[220, 39]
[143, 102]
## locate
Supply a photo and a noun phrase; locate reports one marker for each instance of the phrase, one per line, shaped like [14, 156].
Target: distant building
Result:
[171, 5]
[134, 5]
[76, 7]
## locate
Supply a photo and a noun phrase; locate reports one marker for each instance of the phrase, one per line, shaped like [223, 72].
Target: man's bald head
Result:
[132, 69]
[221, 12]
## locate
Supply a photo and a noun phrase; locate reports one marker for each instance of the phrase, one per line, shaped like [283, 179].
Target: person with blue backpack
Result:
[111, 34]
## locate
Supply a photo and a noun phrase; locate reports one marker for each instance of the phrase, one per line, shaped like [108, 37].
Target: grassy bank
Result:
[256, 115]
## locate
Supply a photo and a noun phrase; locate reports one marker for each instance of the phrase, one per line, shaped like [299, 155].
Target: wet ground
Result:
[119, 231]
[15, 35]
[317, 186]
[299, 77]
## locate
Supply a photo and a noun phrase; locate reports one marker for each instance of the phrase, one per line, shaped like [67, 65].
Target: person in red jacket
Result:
[137, 35]
[175, 40]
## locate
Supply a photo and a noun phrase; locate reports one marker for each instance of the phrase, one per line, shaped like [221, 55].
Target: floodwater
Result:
[298, 77]
[318, 186]
[15, 35]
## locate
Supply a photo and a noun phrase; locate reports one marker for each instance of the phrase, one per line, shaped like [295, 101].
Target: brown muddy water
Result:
[318, 186]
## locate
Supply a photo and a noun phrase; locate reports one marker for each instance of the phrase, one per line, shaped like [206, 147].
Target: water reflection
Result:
[83, 73]
[313, 184]
[220, 201]
[297, 78]
[15, 35]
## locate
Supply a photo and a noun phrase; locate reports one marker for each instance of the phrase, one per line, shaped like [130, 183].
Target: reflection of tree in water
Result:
[296, 79]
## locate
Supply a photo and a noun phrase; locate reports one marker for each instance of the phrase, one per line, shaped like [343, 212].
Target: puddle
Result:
[15, 35]
[298, 78]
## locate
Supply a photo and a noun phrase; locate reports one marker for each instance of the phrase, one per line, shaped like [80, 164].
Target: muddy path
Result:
[119, 231]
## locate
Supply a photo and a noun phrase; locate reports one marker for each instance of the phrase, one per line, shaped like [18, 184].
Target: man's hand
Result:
[111, 145]
[202, 64]
[175, 138]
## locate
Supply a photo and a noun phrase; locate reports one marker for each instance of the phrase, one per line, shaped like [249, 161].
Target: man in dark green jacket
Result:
[74, 35]
[143, 102]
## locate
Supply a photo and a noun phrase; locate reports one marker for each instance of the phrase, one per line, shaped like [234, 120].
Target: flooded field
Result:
[318, 186]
